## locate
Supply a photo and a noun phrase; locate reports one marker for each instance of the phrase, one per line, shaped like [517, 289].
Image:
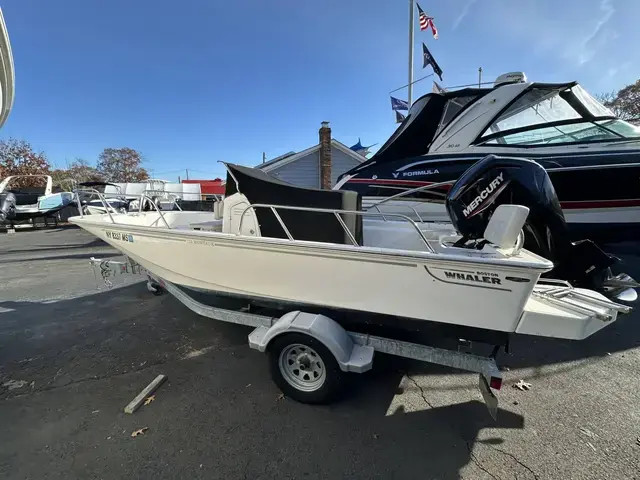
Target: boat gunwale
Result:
[398, 255]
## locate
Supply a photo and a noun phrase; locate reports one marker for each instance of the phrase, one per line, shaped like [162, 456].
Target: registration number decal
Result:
[123, 237]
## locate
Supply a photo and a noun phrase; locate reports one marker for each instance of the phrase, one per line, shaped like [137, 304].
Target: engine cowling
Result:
[7, 207]
[495, 181]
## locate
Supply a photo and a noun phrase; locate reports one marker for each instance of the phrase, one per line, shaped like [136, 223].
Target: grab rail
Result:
[409, 192]
[413, 190]
[561, 293]
[104, 201]
[375, 205]
[336, 213]
[144, 195]
[107, 205]
[163, 194]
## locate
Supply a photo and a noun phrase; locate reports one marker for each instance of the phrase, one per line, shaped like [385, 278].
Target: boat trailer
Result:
[310, 354]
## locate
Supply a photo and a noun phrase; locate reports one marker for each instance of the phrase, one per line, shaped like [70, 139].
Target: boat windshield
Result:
[452, 108]
[548, 115]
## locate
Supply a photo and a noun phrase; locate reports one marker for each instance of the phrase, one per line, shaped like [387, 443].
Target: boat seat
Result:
[261, 188]
[210, 226]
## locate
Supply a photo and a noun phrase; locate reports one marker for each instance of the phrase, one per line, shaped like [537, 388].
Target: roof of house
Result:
[289, 157]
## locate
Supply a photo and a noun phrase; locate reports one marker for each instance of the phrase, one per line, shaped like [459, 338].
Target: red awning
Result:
[209, 187]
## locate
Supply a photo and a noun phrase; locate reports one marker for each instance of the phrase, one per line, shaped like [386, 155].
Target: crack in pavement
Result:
[475, 460]
[471, 454]
[472, 457]
[49, 388]
[412, 380]
[516, 460]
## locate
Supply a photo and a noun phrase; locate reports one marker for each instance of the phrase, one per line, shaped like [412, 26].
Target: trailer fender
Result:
[350, 356]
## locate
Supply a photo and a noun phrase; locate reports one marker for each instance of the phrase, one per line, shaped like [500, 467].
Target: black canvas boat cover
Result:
[96, 184]
[262, 188]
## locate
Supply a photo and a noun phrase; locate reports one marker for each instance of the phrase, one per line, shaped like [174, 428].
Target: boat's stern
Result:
[557, 310]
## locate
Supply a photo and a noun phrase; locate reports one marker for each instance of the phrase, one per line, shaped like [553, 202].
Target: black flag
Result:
[429, 60]
[397, 104]
[399, 117]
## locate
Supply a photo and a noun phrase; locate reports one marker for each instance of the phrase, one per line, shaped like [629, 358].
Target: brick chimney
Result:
[325, 156]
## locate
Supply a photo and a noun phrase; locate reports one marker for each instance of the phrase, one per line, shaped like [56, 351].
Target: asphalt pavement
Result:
[72, 356]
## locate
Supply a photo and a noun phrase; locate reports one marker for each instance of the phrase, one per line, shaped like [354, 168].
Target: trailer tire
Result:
[304, 369]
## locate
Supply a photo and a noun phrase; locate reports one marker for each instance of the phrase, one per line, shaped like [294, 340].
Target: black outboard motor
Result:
[7, 207]
[495, 181]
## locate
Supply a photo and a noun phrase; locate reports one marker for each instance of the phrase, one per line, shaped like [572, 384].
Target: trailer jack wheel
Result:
[304, 369]
[155, 288]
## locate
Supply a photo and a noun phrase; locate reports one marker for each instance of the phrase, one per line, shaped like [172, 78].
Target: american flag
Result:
[426, 22]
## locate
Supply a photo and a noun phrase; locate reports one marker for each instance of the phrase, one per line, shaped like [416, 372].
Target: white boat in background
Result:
[25, 203]
[164, 193]
[592, 156]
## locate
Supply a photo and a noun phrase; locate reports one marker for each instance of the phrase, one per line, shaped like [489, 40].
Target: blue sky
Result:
[192, 82]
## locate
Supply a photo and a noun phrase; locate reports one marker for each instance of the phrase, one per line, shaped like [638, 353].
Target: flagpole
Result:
[410, 82]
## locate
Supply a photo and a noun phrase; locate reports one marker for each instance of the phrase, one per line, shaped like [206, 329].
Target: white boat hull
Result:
[328, 275]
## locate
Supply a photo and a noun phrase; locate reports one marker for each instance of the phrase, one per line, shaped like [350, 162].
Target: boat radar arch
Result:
[511, 77]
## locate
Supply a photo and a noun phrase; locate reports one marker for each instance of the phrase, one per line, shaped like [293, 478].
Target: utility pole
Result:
[187, 170]
[480, 77]
[410, 82]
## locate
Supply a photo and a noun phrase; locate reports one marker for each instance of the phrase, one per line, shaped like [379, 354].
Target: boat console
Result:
[302, 210]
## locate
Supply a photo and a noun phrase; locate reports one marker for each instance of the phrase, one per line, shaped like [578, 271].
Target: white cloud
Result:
[463, 13]
[574, 31]
[598, 36]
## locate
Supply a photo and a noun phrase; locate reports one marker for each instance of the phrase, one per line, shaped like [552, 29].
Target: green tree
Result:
[121, 165]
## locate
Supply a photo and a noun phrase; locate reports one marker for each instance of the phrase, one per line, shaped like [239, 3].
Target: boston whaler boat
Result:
[592, 157]
[309, 264]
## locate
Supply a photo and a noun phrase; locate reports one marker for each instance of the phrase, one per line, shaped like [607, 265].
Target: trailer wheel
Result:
[304, 369]
[155, 288]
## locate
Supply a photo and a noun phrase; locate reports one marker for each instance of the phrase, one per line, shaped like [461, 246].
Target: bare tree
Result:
[79, 170]
[624, 103]
[121, 165]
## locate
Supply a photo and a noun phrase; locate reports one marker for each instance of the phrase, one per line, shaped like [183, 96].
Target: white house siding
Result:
[304, 172]
[340, 163]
